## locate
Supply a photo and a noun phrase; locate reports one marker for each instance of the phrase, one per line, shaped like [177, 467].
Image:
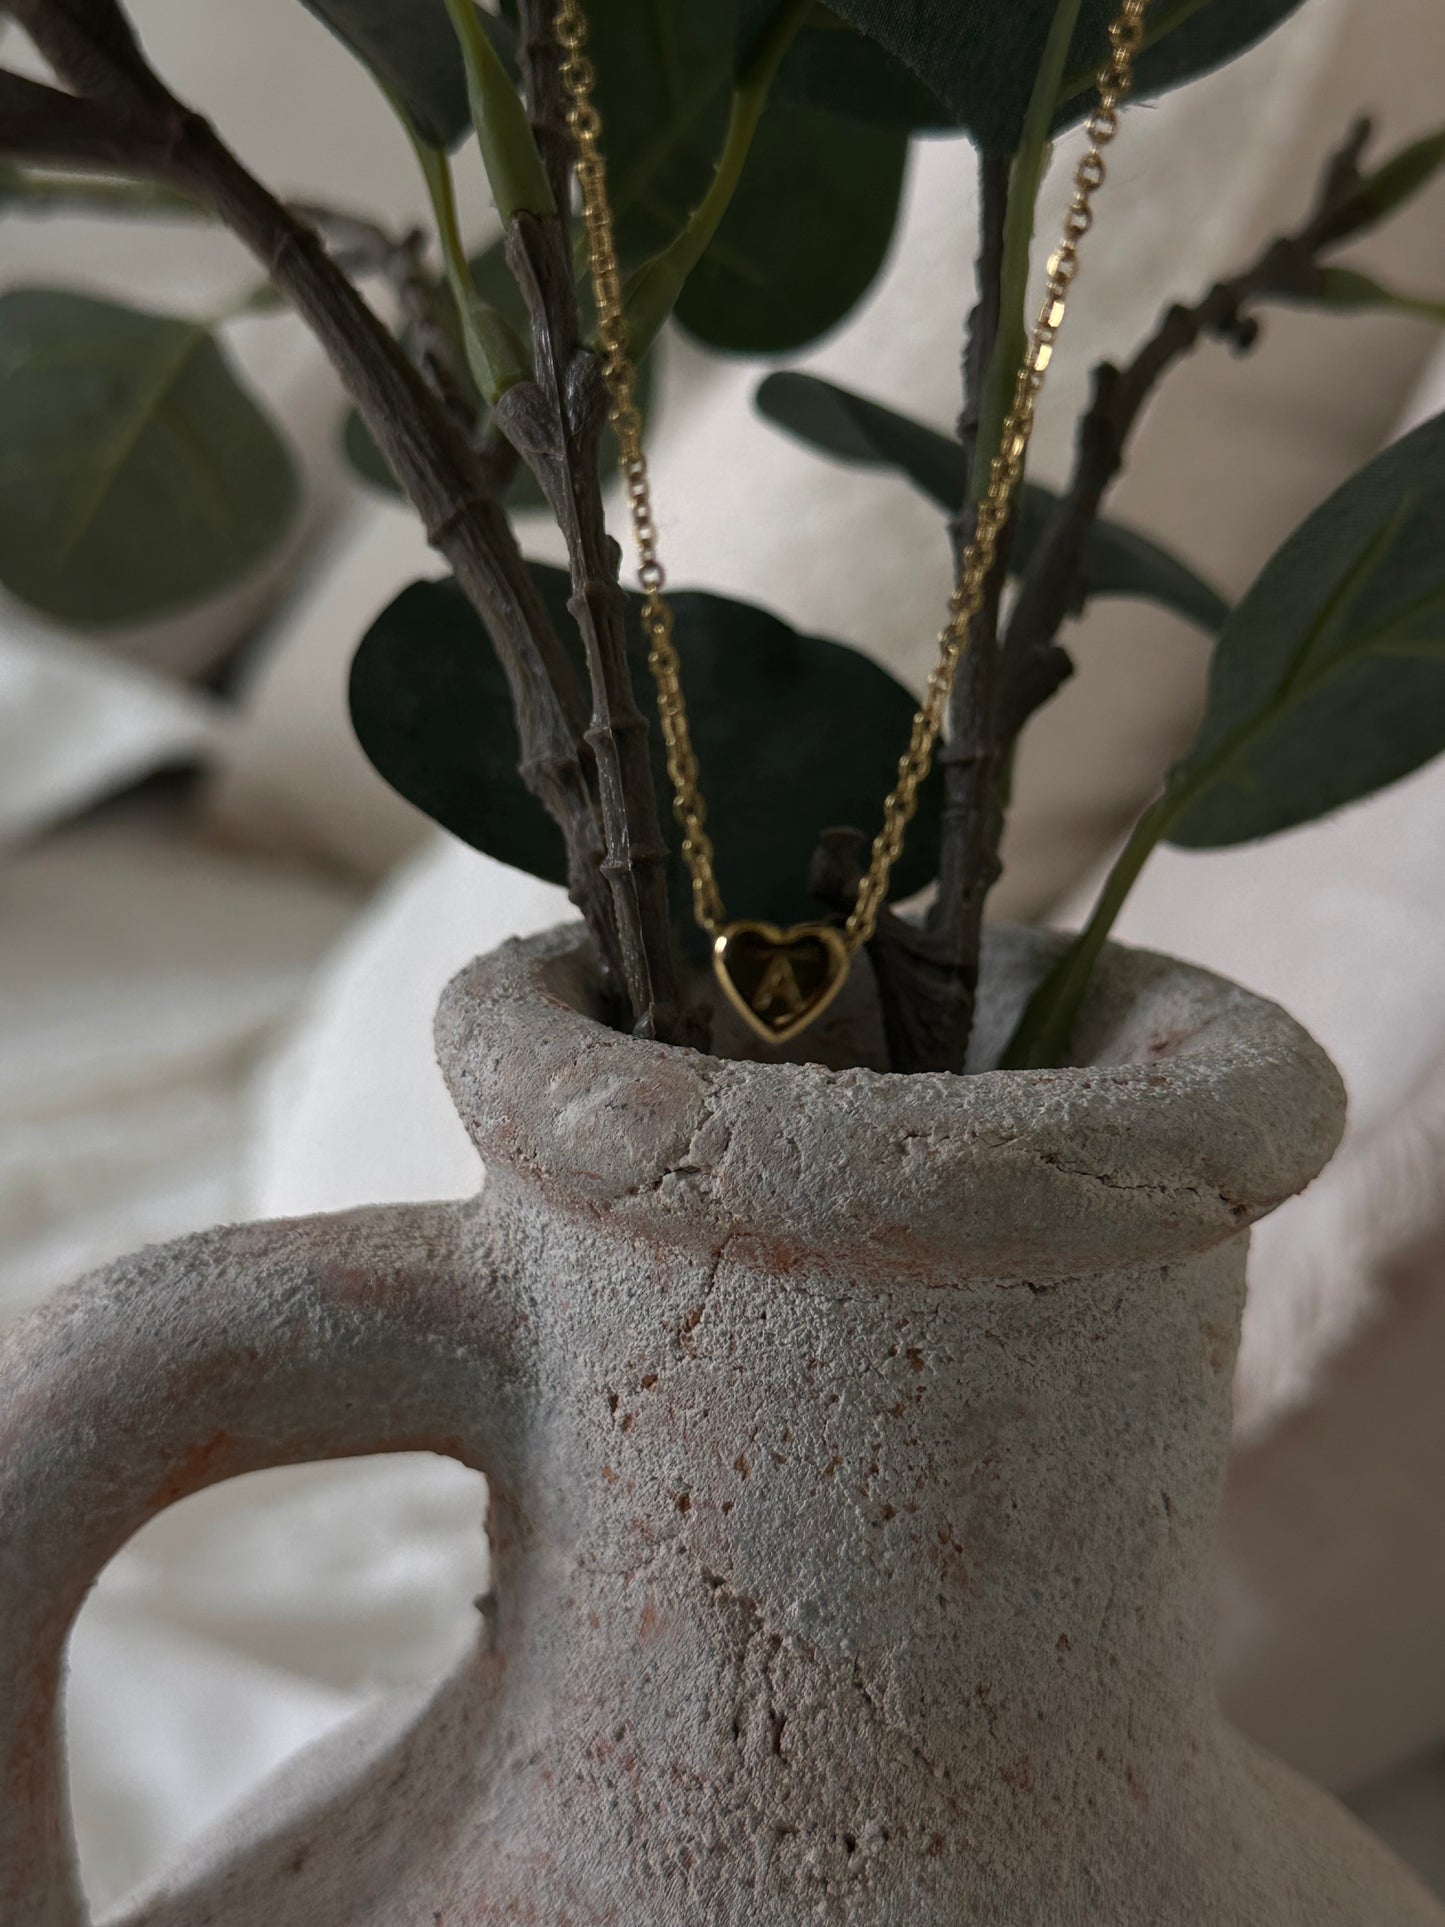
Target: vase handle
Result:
[386, 1330]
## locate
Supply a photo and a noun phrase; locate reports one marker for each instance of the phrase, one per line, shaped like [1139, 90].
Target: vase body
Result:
[854, 1459]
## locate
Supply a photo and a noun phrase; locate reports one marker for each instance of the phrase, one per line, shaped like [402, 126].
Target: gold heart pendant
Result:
[780, 980]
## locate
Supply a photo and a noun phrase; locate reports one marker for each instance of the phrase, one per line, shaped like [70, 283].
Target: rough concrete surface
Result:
[855, 1445]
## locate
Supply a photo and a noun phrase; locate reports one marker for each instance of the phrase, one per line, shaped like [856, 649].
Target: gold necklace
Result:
[780, 981]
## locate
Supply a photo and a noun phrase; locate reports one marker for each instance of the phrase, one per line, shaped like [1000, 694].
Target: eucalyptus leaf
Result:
[1349, 291]
[804, 238]
[1118, 560]
[833, 66]
[794, 734]
[980, 56]
[810, 222]
[136, 474]
[1387, 187]
[1328, 681]
[665, 71]
[431, 708]
[411, 48]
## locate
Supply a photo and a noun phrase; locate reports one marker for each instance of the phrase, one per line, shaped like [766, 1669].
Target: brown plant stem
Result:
[121, 116]
[971, 755]
[360, 247]
[927, 976]
[1288, 268]
[928, 980]
[556, 421]
[912, 986]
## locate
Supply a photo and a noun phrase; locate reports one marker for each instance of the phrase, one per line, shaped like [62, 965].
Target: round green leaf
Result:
[1118, 560]
[795, 735]
[812, 217]
[1328, 680]
[980, 56]
[833, 66]
[136, 474]
[431, 708]
[806, 234]
[412, 49]
[664, 80]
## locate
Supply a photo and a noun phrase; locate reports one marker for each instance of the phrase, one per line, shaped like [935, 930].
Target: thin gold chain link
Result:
[579, 79]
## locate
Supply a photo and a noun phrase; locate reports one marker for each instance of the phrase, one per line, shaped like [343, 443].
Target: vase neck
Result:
[994, 1500]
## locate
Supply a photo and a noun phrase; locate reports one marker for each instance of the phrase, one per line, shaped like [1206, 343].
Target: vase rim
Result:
[1197, 1108]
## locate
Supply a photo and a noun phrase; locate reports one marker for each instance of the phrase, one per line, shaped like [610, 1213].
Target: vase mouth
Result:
[1194, 1108]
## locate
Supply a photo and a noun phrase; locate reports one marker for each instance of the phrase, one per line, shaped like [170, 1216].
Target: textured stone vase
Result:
[854, 1443]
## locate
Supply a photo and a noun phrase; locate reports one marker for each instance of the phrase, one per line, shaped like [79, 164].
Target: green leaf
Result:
[810, 222]
[854, 429]
[664, 86]
[136, 474]
[1328, 681]
[431, 708]
[494, 285]
[495, 351]
[1118, 560]
[1388, 187]
[980, 56]
[804, 238]
[513, 166]
[833, 66]
[795, 735]
[410, 47]
[1349, 291]
[651, 294]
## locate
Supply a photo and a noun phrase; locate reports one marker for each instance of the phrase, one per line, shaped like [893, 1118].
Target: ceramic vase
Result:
[855, 1447]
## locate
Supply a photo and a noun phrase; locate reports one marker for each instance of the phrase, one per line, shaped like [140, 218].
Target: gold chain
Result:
[579, 79]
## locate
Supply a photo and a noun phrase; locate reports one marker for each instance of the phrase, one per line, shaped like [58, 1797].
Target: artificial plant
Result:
[757, 151]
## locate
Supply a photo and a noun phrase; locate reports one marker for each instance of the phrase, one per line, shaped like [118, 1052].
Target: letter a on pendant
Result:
[777, 996]
[780, 980]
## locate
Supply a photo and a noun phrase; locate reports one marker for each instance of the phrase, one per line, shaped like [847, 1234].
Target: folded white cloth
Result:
[354, 1109]
[77, 723]
[141, 980]
[201, 1665]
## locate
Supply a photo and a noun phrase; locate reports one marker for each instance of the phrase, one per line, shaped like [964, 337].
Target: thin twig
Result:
[556, 421]
[1287, 269]
[362, 247]
[914, 988]
[971, 756]
[928, 977]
